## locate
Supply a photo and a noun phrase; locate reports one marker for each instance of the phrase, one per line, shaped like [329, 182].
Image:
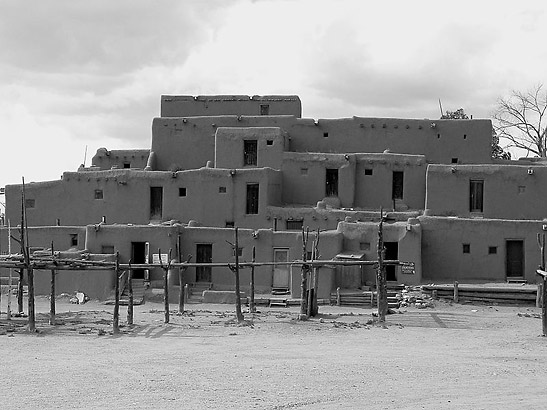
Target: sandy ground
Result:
[446, 357]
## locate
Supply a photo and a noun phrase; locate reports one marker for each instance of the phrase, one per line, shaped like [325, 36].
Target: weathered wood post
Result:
[52, 292]
[239, 314]
[304, 277]
[311, 281]
[381, 283]
[130, 310]
[116, 319]
[338, 298]
[252, 307]
[30, 271]
[165, 284]
[183, 289]
[315, 309]
[544, 306]
[456, 292]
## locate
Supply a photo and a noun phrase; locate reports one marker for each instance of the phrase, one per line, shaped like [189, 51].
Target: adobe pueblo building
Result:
[218, 162]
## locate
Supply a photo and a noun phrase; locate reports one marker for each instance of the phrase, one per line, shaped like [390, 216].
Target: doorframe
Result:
[523, 257]
[274, 249]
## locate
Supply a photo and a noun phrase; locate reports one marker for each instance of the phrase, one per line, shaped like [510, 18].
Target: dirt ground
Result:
[447, 357]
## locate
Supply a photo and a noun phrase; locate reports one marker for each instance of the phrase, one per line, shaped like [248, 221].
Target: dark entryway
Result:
[392, 254]
[156, 202]
[514, 258]
[138, 255]
[397, 188]
[331, 182]
[204, 254]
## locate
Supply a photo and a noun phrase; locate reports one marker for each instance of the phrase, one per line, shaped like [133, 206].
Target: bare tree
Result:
[520, 119]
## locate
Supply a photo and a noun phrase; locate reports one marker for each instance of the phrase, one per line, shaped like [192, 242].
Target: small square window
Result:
[107, 249]
[127, 165]
[303, 171]
[30, 203]
[368, 171]
[182, 191]
[74, 239]
[295, 224]
[466, 248]
[325, 135]
[269, 142]
[492, 250]
[229, 224]
[454, 160]
[364, 246]
[239, 251]
[264, 109]
[99, 194]
[221, 189]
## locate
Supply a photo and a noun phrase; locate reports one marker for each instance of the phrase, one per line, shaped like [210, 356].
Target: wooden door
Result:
[204, 254]
[514, 258]
[281, 273]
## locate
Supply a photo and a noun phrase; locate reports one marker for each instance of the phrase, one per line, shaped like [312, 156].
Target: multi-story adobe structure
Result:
[216, 162]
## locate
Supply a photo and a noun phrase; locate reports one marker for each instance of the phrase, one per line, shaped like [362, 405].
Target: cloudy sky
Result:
[90, 73]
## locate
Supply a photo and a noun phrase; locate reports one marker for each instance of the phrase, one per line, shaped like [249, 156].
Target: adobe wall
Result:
[229, 146]
[442, 248]
[363, 237]
[190, 142]
[105, 159]
[212, 105]
[510, 191]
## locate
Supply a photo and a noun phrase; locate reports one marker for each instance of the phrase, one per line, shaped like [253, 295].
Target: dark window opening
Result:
[239, 251]
[264, 109]
[464, 136]
[454, 160]
[269, 142]
[466, 248]
[221, 189]
[492, 250]
[182, 191]
[99, 194]
[331, 182]
[476, 192]
[303, 171]
[250, 148]
[438, 135]
[325, 135]
[295, 224]
[364, 246]
[30, 203]
[229, 224]
[204, 254]
[156, 202]
[397, 186]
[252, 199]
[74, 239]
[138, 255]
[127, 165]
[368, 171]
[392, 254]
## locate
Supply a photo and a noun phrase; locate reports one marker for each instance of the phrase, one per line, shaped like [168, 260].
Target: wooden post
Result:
[116, 319]
[186, 292]
[252, 307]
[338, 298]
[539, 294]
[52, 293]
[381, 283]
[30, 271]
[544, 306]
[165, 285]
[31, 311]
[183, 289]
[239, 314]
[304, 277]
[130, 291]
[315, 309]
[456, 292]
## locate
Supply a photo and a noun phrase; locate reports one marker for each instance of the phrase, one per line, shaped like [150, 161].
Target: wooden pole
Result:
[315, 309]
[456, 292]
[10, 274]
[544, 306]
[252, 307]
[310, 286]
[381, 283]
[116, 319]
[30, 271]
[239, 313]
[181, 277]
[130, 310]
[304, 277]
[52, 293]
[165, 284]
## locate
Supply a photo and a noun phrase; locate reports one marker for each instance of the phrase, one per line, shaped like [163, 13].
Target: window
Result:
[264, 109]
[476, 190]
[127, 165]
[73, 239]
[156, 202]
[30, 203]
[364, 246]
[368, 171]
[239, 251]
[182, 191]
[331, 182]
[107, 249]
[252, 199]
[250, 152]
[269, 142]
[295, 224]
[325, 135]
[466, 248]
[99, 194]
[303, 171]
[492, 250]
[454, 160]
[229, 224]
[397, 185]
[221, 189]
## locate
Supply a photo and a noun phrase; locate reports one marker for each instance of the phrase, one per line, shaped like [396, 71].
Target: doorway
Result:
[514, 258]
[156, 202]
[331, 182]
[281, 273]
[204, 254]
[397, 186]
[139, 253]
[392, 254]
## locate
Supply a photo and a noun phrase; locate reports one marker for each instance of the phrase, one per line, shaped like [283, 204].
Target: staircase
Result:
[196, 289]
[138, 293]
